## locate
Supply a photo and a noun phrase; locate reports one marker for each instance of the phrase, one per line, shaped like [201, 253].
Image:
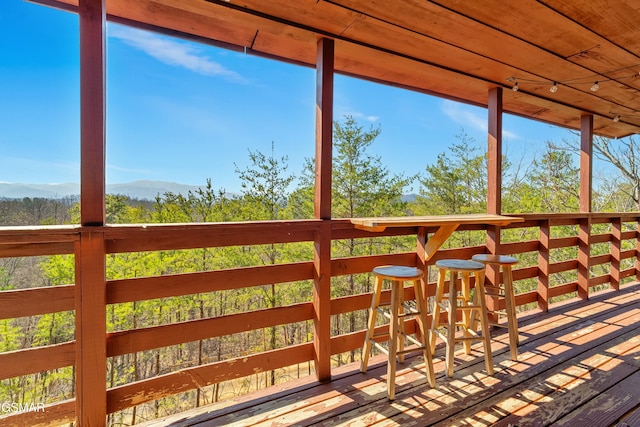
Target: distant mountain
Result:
[143, 190]
[148, 190]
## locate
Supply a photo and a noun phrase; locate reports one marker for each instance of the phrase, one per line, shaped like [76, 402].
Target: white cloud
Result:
[459, 113]
[341, 113]
[179, 54]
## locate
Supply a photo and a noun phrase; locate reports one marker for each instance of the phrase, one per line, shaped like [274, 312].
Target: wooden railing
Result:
[606, 248]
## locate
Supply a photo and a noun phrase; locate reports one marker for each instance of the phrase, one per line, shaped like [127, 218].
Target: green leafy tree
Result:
[555, 183]
[265, 184]
[456, 183]
[362, 186]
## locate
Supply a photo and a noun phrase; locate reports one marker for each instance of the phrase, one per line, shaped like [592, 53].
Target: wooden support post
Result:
[584, 257]
[616, 252]
[91, 329]
[90, 275]
[494, 185]
[322, 208]
[586, 162]
[543, 265]
[92, 111]
[324, 128]
[494, 162]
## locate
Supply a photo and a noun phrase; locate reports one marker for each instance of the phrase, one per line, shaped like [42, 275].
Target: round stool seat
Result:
[398, 272]
[459, 265]
[495, 259]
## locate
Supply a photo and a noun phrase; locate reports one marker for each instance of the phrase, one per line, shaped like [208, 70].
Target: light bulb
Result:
[616, 119]
[515, 87]
[554, 88]
[595, 87]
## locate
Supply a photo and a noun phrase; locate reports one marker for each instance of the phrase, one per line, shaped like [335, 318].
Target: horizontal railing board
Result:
[563, 289]
[37, 359]
[600, 259]
[599, 280]
[630, 253]
[36, 249]
[600, 238]
[146, 288]
[53, 415]
[558, 267]
[132, 394]
[525, 273]
[365, 264]
[134, 340]
[36, 301]
[563, 242]
[520, 247]
[155, 237]
[526, 298]
[351, 303]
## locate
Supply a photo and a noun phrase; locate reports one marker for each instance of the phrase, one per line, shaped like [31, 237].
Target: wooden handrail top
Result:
[381, 223]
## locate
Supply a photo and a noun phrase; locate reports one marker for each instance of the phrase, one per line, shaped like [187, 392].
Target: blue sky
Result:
[184, 112]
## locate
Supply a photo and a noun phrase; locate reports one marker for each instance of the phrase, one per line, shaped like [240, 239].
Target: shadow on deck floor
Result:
[578, 365]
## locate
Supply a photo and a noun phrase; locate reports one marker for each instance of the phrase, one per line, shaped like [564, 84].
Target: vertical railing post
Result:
[422, 238]
[91, 349]
[322, 208]
[543, 265]
[616, 252]
[584, 257]
[637, 248]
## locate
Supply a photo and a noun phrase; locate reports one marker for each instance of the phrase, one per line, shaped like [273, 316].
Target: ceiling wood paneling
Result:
[458, 49]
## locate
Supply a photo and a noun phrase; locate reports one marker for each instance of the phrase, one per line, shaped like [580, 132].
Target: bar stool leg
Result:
[468, 315]
[451, 330]
[375, 302]
[510, 303]
[398, 288]
[422, 324]
[435, 317]
[394, 342]
[484, 322]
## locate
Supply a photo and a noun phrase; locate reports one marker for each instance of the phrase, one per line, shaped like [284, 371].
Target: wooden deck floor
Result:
[579, 365]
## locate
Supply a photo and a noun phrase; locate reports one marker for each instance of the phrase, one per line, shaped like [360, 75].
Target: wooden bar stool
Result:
[504, 288]
[459, 300]
[397, 311]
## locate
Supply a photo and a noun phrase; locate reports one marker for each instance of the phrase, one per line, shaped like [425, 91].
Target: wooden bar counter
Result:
[446, 225]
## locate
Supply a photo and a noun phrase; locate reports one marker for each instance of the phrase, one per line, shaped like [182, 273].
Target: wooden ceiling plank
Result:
[441, 52]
